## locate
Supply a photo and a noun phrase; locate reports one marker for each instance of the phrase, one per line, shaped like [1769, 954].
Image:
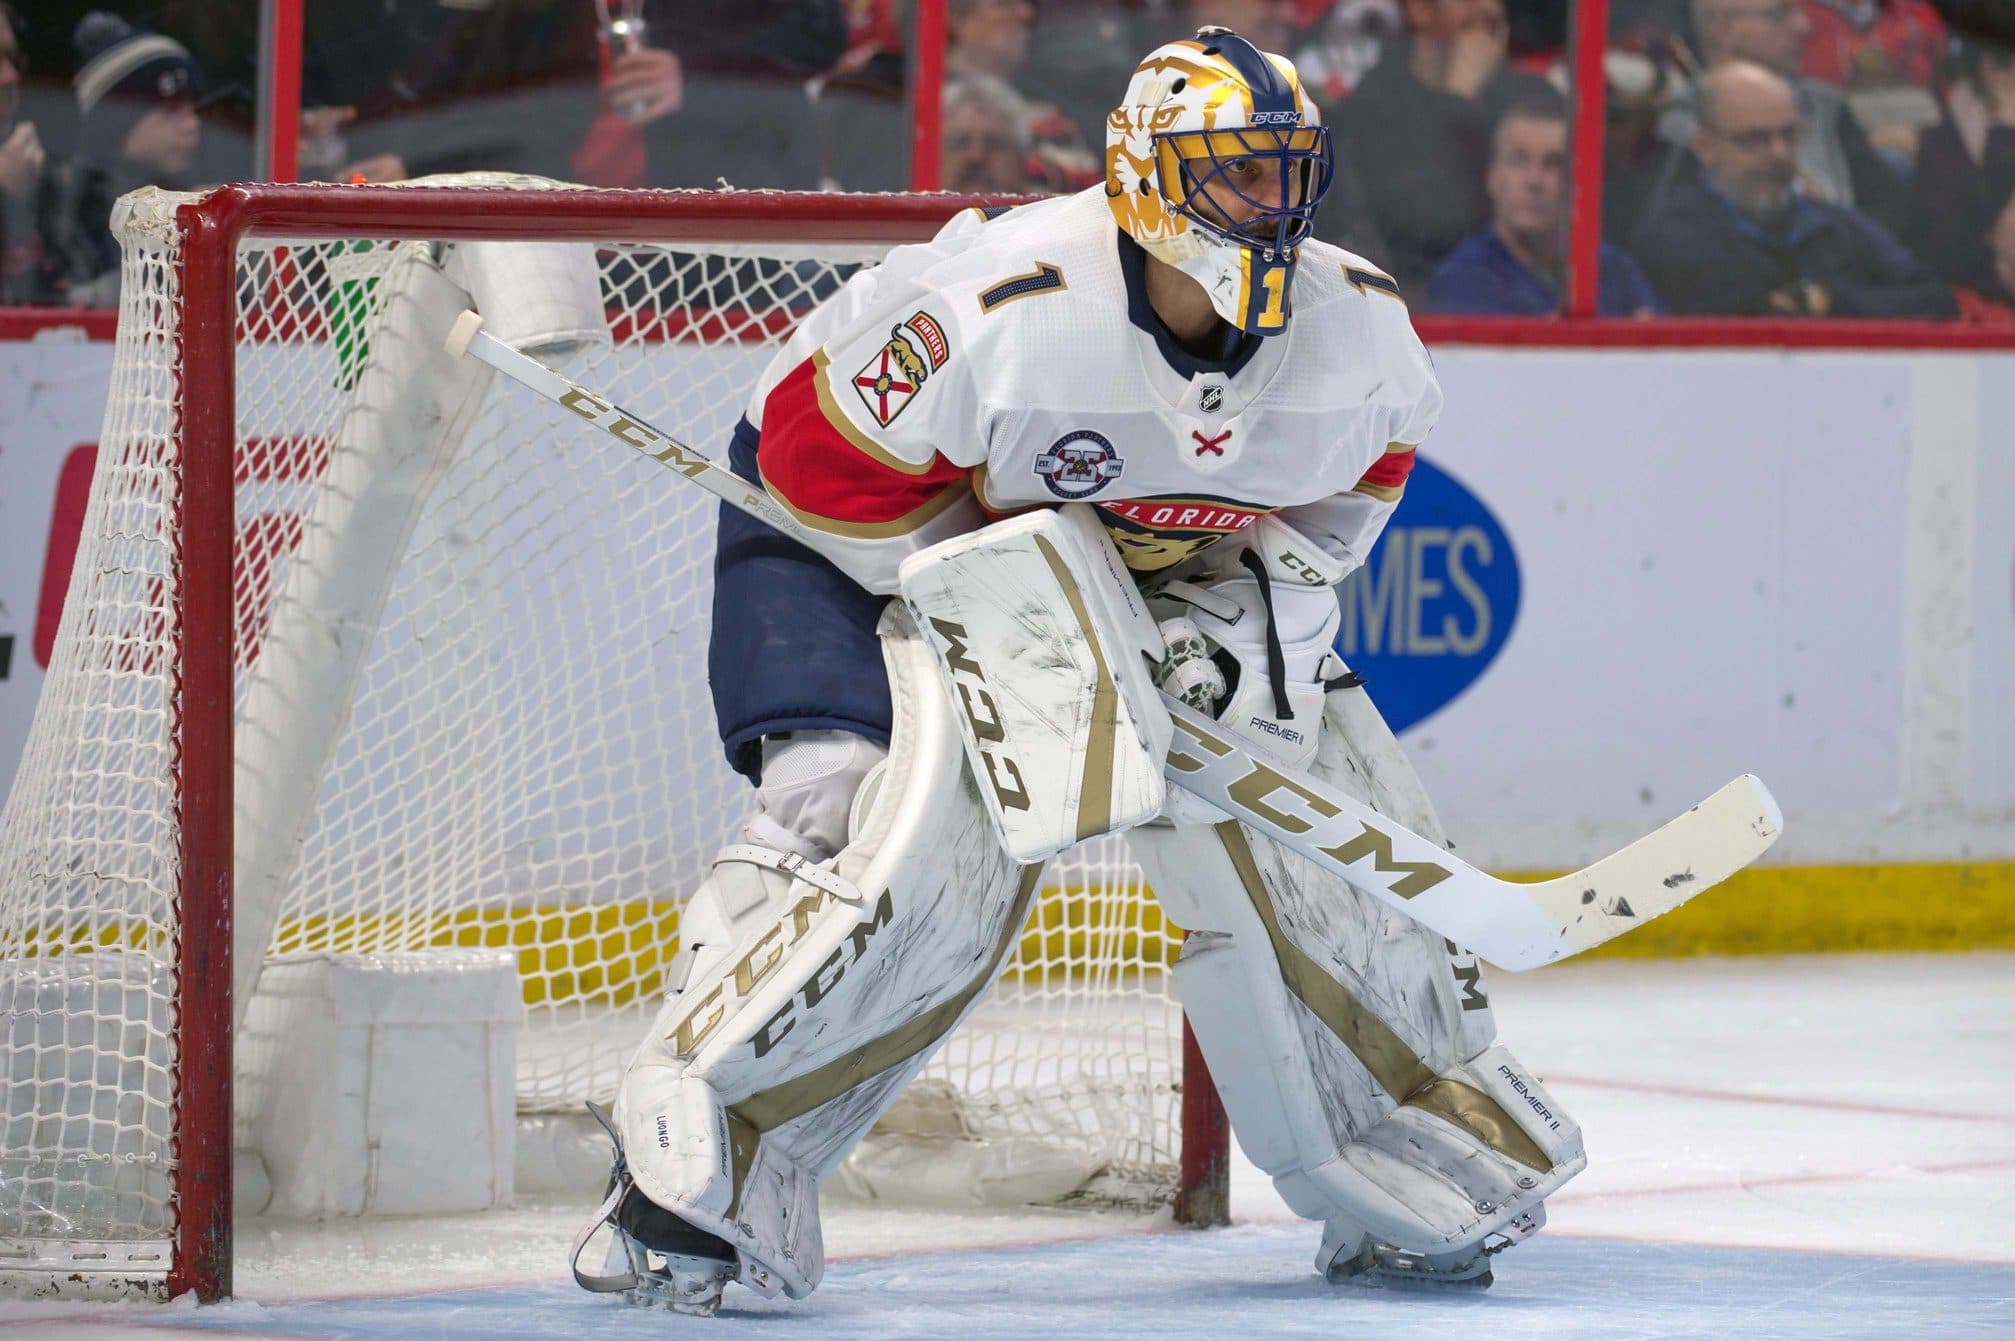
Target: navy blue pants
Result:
[794, 646]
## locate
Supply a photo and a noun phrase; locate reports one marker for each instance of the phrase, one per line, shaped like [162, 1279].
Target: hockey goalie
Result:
[1095, 448]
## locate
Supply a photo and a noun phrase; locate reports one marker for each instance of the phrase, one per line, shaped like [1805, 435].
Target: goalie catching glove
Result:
[1250, 640]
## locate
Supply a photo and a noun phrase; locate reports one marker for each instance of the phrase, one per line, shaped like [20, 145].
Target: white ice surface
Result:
[1779, 1148]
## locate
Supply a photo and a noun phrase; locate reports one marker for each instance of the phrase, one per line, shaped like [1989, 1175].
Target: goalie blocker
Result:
[1045, 644]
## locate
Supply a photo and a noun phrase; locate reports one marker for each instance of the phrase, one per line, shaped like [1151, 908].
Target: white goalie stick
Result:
[1513, 925]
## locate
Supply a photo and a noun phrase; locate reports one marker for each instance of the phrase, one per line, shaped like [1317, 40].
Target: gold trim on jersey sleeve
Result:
[1365, 280]
[1395, 448]
[1385, 493]
[986, 500]
[846, 428]
[914, 520]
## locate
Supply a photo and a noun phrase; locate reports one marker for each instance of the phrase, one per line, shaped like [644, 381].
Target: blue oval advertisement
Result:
[1434, 604]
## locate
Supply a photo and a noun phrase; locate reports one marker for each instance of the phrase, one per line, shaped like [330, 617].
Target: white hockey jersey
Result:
[1014, 363]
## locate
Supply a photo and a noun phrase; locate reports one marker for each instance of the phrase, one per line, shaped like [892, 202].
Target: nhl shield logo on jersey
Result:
[1211, 397]
[1078, 464]
[915, 349]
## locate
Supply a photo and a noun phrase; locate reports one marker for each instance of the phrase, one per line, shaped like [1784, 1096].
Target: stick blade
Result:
[1658, 872]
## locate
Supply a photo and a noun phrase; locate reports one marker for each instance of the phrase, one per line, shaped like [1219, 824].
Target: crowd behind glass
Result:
[1846, 158]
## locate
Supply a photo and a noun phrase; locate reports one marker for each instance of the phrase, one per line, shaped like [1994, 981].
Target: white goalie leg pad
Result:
[1351, 1046]
[1045, 644]
[779, 1053]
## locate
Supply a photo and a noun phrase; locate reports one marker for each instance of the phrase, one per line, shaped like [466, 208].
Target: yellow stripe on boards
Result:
[604, 954]
[1801, 909]
[614, 954]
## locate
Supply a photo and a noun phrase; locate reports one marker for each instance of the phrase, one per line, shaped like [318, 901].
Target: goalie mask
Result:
[1215, 163]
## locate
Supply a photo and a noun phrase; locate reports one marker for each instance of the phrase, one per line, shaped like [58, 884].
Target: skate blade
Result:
[1388, 1269]
[690, 1285]
[1417, 1281]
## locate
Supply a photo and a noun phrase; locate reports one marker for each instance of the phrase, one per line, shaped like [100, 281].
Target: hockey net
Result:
[523, 756]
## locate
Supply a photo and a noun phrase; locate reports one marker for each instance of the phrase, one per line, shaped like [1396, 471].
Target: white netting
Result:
[528, 760]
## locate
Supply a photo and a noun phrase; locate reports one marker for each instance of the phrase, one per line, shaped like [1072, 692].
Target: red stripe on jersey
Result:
[808, 461]
[1390, 471]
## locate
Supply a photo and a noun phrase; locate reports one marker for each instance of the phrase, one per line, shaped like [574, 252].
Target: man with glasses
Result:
[1835, 161]
[1744, 240]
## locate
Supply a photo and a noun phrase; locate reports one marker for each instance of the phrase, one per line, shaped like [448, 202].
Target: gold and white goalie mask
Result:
[1215, 163]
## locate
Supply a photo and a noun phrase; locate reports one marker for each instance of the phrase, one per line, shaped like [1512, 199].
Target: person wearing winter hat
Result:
[136, 93]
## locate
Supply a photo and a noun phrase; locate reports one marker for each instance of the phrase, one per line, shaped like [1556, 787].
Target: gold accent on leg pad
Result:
[743, 1141]
[1094, 802]
[769, 1109]
[1398, 1070]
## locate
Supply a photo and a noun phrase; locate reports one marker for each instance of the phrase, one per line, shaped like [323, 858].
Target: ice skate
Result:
[673, 1265]
[1380, 1265]
[654, 1259]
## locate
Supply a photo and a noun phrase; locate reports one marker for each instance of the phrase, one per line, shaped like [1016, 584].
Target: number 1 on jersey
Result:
[1275, 281]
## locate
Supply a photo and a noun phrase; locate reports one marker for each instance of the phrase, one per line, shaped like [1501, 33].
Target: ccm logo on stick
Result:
[629, 432]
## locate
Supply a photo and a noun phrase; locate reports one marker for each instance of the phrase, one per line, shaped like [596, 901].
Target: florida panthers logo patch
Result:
[916, 349]
[1157, 533]
[1078, 464]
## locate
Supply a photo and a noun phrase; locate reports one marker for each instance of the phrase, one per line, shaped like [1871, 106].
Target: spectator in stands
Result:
[322, 152]
[1886, 54]
[1646, 62]
[717, 88]
[136, 95]
[1851, 42]
[27, 273]
[391, 88]
[987, 37]
[1067, 58]
[1344, 44]
[1417, 130]
[1836, 163]
[1743, 241]
[991, 38]
[1966, 170]
[1516, 267]
[984, 138]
